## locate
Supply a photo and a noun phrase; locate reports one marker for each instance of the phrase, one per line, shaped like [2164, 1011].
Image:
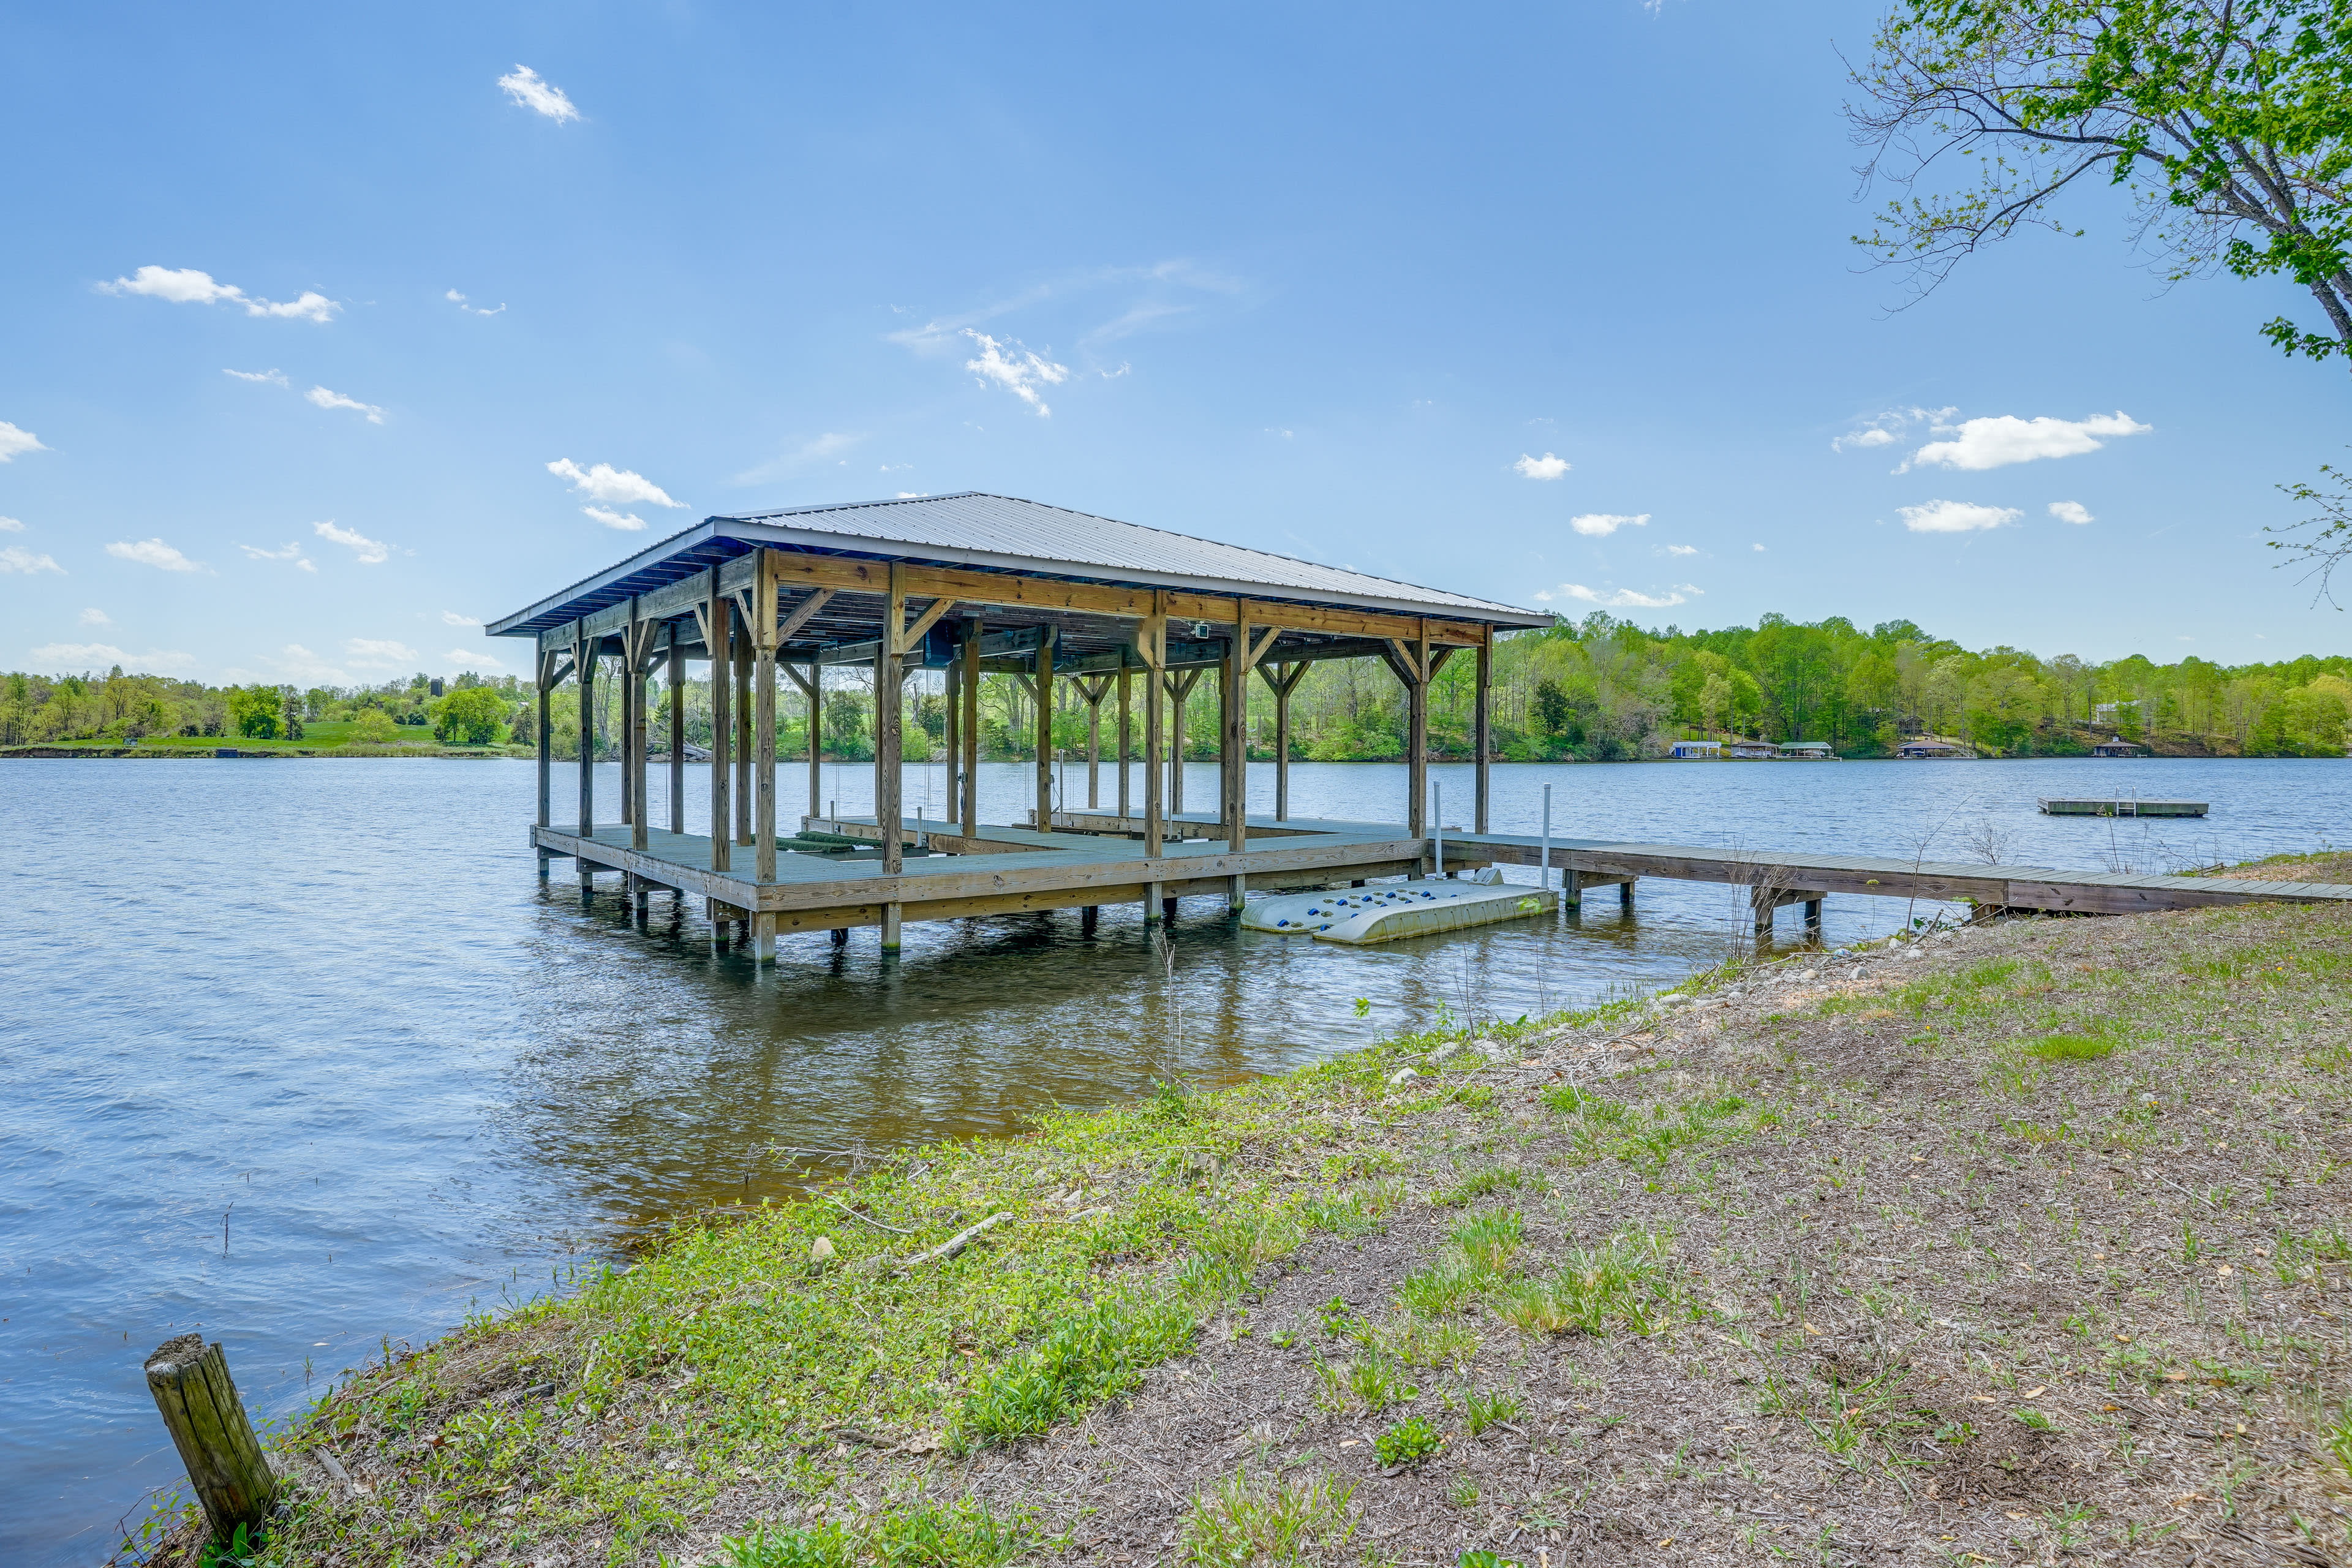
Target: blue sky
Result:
[1553, 305]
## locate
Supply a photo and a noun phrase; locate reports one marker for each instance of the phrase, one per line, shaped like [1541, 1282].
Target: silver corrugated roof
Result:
[974, 528]
[1009, 535]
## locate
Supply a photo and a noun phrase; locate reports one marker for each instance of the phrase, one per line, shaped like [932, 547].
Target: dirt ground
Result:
[1921, 1286]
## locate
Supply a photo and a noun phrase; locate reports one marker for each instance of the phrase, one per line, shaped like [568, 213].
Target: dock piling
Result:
[199, 1404]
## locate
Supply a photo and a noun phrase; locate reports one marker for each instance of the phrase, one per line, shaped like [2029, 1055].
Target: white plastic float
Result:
[1389, 911]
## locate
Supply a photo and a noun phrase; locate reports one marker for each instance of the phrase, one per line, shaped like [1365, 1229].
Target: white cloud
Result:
[2002, 439]
[1681, 549]
[274, 377]
[320, 397]
[11, 525]
[1277, 430]
[15, 557]
[1602, 524]
[1020, 372]
[459, 301]
[1544, 467]
[533, 91]
[607, 483]
[832, 443]
[1760, 548]
[472, 658]
[95, 618]
[370, 552]
[1617, 599]
[291, 553]
[1884, 429]
[13, 441]
[2070, 511]
[378, 653]
[189, 287]
[452, 618]
[1955, 517]
[103, 655]
[153, 552]
[299, 664]
[628, 522]
[909, 495]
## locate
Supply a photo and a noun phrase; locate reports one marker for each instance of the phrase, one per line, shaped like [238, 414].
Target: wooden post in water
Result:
[951, 700]
[890, 720]
[1481, 741]
[638, 640]
[814, 692]
[718, 635]
[743, 748]
[1044, 678]
[1232, 682]
[970, 694]
[584, 665]
[676, 732]
[1124, 746]
[230, 1473]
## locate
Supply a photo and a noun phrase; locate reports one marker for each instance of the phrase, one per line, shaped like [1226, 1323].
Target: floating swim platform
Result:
[2061, 808]
[1390, 912]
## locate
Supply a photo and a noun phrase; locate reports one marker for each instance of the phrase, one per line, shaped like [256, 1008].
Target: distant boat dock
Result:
[2059, 806]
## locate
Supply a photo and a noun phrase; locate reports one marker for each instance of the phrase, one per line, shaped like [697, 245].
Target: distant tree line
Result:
[1600, 689]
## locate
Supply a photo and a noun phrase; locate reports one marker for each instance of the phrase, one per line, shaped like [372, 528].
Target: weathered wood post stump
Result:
[232, 1477]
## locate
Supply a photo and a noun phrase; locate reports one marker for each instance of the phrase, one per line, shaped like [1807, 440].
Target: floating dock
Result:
[1392, 912]
[2053, 806]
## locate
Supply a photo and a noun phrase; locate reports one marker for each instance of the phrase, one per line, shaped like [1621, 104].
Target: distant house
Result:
[1688, 750]
[2117, 746]
[1750, 751]
[2114, 712]
[1927, 748]
[1805, 752]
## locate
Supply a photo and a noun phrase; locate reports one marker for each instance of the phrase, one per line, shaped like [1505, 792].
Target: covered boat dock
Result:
[971, 585]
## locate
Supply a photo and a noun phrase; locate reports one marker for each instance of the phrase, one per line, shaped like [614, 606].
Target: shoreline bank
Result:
[2007, 1236]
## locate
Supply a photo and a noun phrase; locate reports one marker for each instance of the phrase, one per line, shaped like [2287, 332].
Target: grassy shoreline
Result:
[2017, 1240]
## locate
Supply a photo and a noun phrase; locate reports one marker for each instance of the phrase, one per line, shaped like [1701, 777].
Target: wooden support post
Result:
[677, 733]
[1625, 894]
[1814, 916]
[890, 918]
[1416, 741]
[719, 638]
[1087, 917]
[763, 727]
[1760, 899]
[200, 1406]
[1093, 692]
[1233, 683]
[638, 640]
[1481, 737]
[1045, 694]
[953, 699]
[743, 747]
[583, 663]
[1571, 888]
[764, 930]
[814, 692]
[1152, 646]
[1179, 687]
[1124, 744]
[969, 764]
[546, 747]
[622, 683]
[888, 710]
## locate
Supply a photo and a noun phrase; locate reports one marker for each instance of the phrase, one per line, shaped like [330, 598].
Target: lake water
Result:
[301, 1053]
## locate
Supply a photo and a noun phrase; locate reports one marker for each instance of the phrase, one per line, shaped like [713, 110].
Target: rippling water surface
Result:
[301, 1054]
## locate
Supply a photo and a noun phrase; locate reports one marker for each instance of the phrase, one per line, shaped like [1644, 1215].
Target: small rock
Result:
[821, 1250]
[1401, 1077]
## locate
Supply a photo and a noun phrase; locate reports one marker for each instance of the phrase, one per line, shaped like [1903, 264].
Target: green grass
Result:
[1409, 1442]
[2071, 1048]
[1244, 1520]
[957, 1535]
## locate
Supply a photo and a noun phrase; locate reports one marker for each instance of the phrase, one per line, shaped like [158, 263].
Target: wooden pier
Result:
[970, 585]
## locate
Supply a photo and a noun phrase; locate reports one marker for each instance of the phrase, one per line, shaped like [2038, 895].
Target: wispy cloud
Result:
[452, 618]
[290, 552]
[187, 286]
[535, 92]
[95, 616]
[1886, 429]
[379, 653]
[13, 441]
[16, 558]
[472, 310]
[1955, 517]
[2070, 511]
[606, 483]
[2001, 439]
[369, 551]
[627, 522]
[320, 397]
[828, 446]
[1019, 371]
[11, 525]
[1616, 599]
[77, 655]
[301, 665]
[1544, 467]
[1681, 549]
[472, 658]
[153, 552]
[274, 377]
[1602, 524]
